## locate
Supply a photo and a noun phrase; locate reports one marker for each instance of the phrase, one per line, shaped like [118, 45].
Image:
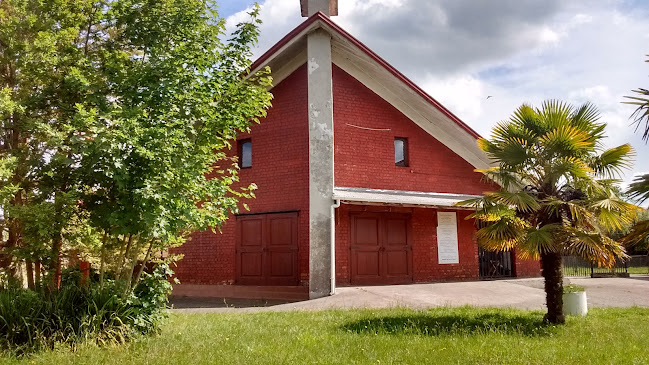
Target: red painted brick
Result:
[280, 168]
[526, 268]
[363, 158]
[424, 245]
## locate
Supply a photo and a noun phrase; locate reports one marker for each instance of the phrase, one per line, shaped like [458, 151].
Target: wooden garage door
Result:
[381, 250]
[267, 249]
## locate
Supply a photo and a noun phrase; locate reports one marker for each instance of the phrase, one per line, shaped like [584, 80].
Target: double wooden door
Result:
[381, 249]
[267, 249]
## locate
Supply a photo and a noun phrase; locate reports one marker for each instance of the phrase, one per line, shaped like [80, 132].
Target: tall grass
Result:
[32, 321]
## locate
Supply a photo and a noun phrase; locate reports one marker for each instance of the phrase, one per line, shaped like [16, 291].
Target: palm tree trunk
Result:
[551, 265]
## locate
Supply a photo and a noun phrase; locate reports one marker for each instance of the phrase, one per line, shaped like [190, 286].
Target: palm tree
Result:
[641, 114]
[557, 192]
[639, 189]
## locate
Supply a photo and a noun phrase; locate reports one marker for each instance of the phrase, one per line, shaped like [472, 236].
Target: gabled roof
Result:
[360, 62]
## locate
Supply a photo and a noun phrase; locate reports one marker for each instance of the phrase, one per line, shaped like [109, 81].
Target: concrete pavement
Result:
[516, 293]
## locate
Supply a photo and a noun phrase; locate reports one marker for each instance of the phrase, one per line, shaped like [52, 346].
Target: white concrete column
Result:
[321, 162]
[310, 7]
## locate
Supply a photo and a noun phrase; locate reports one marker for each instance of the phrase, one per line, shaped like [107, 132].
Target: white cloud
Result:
[454, 92]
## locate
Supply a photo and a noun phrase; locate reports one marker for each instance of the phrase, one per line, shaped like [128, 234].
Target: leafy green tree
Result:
[40, 54]
[557, 195]
[116, 116]
[638, 234]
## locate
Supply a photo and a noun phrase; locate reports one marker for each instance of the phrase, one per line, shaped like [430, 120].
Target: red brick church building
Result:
[358, 171]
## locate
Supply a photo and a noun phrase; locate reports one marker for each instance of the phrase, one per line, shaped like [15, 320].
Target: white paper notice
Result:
[447, 246]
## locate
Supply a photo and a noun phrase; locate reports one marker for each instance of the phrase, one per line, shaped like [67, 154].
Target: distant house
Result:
[358, 171]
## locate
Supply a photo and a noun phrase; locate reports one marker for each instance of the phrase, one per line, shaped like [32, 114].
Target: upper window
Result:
[245, 153]
[401, 151]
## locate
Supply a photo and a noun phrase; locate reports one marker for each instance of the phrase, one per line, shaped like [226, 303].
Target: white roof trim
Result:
[401, 197]
[316, 25]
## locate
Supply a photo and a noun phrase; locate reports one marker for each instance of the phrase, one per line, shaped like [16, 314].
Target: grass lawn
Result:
[437, 336]
[642, 270]
[638, 270]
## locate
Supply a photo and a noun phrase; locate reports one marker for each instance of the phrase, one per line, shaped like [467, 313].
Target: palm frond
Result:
[565, 139]
[573, 166]
[505, 178]
[641, 114]
[501, 235]
[477, 203]
[586, 118]
[491, 213]
[525, 115]
[520, 200]
[574, 213]
[612, 161]
[599, 188]
[639, 189]
[499, 227]
[615, 213]
[486, 145]
[523, 254]
[540, 240]
[512, 152]
[639, 235]
[554, 113]
[594, 247]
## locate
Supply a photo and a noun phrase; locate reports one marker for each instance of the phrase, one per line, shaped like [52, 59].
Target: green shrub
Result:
[150, 296]
[32, 321]
[572, 288]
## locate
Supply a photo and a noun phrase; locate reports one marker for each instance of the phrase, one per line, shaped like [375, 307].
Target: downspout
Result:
[335, 205]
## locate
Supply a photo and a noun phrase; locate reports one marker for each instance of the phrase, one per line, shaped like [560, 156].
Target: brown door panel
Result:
[381, 249]
[267, 248]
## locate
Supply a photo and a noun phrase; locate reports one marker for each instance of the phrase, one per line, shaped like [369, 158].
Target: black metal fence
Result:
[494, 265]
[638, 264]
[576, 266]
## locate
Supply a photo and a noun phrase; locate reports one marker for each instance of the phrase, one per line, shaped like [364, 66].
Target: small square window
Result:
[401, 152]
[245, 153]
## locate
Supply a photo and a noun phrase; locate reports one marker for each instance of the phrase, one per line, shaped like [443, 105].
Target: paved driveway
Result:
[517, 293]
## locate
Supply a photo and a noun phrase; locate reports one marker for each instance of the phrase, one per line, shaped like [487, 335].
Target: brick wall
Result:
[365, 158]
[281, 171]
[424, 245]
[526, 268]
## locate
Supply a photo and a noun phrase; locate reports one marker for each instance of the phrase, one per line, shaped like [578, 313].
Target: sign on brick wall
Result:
[447, 243]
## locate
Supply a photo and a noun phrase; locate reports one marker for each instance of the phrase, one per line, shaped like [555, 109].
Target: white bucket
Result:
[575, 303]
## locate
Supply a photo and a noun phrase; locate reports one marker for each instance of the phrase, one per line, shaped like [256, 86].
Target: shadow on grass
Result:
[177, 302]
[437, 324]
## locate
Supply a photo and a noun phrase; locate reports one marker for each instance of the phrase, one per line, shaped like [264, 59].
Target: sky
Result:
[483, 59]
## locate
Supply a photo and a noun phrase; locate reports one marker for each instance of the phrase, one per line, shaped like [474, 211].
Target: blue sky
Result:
[461, 51]
[229, 7]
